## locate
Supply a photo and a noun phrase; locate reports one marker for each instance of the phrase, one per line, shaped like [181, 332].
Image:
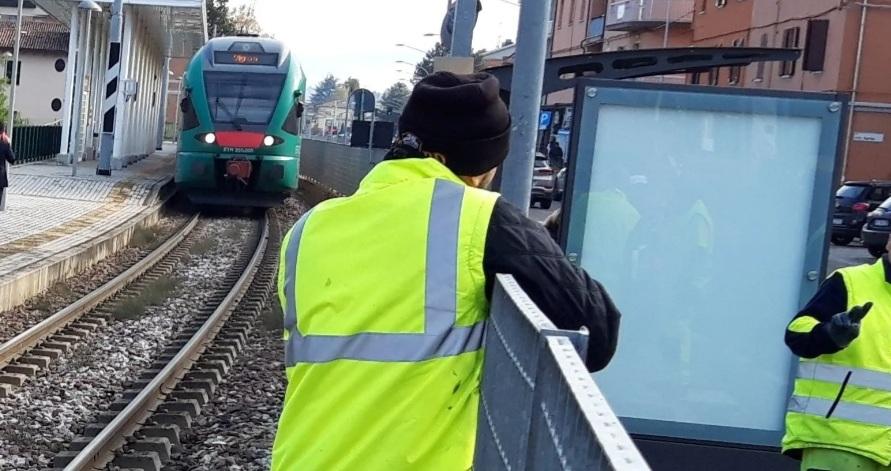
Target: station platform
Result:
[56, 225]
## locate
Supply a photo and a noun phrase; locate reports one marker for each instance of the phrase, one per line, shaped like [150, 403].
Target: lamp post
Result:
[87, 7]
[15, 69]
[418, 66]
[411, 47]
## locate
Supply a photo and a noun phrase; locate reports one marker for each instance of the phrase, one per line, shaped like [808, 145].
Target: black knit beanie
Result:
[459, 116]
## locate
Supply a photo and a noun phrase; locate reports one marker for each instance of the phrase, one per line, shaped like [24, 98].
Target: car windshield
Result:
[850, 191]
[886, 204]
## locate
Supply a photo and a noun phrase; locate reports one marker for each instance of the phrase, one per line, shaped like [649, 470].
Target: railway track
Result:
[25, 354]
[142, 428]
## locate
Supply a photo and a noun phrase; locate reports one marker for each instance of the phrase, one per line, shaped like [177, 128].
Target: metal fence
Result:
[539, 407]
[337, 168]
[33, 143]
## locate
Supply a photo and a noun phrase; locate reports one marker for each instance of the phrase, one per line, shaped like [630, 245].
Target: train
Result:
[241, 122]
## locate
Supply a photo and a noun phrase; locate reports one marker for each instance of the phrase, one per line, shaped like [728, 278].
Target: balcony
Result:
[636, 15]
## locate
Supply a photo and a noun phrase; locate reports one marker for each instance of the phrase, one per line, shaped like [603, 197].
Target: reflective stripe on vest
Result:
[860, 377]
[440, 338]
[843, 410]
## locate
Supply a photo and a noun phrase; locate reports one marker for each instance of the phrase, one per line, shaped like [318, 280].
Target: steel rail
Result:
[101, 449]
[21, 343]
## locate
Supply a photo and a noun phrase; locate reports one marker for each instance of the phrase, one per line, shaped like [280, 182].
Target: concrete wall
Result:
[40, 84]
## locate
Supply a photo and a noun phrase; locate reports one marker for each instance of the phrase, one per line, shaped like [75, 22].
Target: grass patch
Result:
[153, 294]
[143, 237]
[203, 246]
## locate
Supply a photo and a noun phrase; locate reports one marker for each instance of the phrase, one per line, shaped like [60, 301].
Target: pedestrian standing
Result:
[555, 154]
[7, 157]
[839, 418]
[386, 293]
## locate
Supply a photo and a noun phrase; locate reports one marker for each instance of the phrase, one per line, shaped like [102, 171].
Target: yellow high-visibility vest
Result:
[842, 401]
[384, 300]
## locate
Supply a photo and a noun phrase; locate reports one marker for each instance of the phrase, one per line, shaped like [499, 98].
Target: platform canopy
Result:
[180, 26]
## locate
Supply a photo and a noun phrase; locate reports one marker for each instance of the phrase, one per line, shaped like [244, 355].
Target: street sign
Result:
[869, 137]
[362, 102]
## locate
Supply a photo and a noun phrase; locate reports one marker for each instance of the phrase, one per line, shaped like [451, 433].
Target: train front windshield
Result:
[238, 99]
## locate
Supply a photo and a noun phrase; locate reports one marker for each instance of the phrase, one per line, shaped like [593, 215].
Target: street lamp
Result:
[417, 66]
[411, 47]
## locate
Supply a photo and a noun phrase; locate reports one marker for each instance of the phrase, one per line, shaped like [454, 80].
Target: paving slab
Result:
[57, 225]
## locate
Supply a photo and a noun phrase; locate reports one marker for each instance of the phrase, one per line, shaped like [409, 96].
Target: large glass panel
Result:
[240, 98]
[697, 223]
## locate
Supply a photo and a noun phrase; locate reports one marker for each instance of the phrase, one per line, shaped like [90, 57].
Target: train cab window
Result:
[293, 124]
[237, 99]
[190, 118]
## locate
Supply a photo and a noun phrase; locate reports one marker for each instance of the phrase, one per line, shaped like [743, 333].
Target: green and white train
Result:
[241, 105]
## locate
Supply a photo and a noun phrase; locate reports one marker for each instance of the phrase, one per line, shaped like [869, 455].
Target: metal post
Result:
[112, 74]
[532, 37]
[70, 78]
[162, 115]
[462, 33]
[179, 94]
[80, 74]
[15, 70]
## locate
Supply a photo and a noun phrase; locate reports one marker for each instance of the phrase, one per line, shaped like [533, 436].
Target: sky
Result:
[357, 38]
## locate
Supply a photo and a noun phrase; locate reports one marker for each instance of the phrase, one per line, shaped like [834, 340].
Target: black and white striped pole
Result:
[112, 88]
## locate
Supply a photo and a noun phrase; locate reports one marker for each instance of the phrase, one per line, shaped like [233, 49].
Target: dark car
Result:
[853, 201]
[877, 229]
[544, 182]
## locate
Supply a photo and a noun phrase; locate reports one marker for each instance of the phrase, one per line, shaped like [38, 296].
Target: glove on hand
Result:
[844, 327]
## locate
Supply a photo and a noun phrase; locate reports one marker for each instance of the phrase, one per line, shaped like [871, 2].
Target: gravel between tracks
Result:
[65, 292]
[50, 410]
[236, 430]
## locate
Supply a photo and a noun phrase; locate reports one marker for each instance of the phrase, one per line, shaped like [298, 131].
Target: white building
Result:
[43, 59]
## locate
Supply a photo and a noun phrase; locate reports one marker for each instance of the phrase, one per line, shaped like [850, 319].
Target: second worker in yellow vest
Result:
[839, 415]
[386, 293]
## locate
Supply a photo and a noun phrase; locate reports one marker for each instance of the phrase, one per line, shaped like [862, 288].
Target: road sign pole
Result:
[525, 102]
[462, 35]
[14, 76]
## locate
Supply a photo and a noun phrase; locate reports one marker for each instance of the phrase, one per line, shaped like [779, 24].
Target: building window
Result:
[714, 76]
[582, 9]
[790, 41]
[18, 77]
[560, 13]
[736, 70]
[59, 65]
[815, 45]
[759, 70]
[695, 78]
[571, 11]
[56, 104]
[720, 3]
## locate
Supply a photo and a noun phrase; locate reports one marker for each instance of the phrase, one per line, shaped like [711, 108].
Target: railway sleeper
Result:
[181, 419]
[159, 445]
[207, 375]
[51, 353]
[38, 360]
[189, 406]
[198, 395]
[21, 369]
[145, 460]
[169, 432]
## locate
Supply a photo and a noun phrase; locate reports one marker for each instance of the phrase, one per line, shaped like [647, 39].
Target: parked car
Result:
[561, 185]
[877, 229]
[544, 182]
[853, 201]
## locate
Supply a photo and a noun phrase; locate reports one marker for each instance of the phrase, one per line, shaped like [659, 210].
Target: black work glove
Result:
[844, 327]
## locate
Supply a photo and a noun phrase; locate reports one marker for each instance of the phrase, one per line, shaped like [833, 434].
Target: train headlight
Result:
[210, 138]
[268, 141]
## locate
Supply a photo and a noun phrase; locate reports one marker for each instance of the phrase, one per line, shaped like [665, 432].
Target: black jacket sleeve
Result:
[6, 152]
[518, 246]
[831, 299]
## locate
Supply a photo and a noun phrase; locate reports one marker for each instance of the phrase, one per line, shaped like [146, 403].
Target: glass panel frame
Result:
[829, 109]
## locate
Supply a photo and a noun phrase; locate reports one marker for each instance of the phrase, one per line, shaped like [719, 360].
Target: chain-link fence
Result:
[539, 407]
[33, 143]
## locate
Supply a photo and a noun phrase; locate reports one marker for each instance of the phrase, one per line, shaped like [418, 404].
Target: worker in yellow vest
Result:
[839, 416]
[386, 292]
